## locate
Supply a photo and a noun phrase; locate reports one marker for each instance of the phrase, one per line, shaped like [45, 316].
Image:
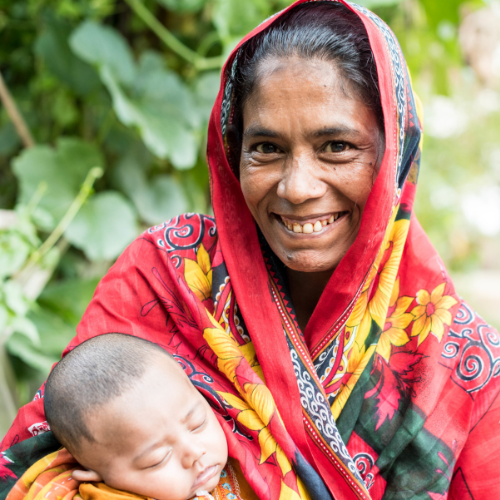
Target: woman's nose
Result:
[300, 181]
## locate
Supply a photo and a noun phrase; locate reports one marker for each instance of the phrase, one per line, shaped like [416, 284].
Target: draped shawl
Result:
[391, 390]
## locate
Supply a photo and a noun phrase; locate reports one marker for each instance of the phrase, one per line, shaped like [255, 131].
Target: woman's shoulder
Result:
[177, 238]
[183, 232]
[472, 351]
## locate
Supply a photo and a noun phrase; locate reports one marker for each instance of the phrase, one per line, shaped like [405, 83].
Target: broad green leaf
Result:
[156, 110]
[104, 46]
[25, 327]
[104, 226]
[14, 297]
[55, 334]
[371, 4]
[205, 90]
[156, 200]
[20, 346]
[63, 169]
[236, 18]
[52, 46]
[14, 250]
[68, 299]
[183, 5]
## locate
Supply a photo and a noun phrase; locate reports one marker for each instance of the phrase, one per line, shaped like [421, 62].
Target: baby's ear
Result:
[86, 476]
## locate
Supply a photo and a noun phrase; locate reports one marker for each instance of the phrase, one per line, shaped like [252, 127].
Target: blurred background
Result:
[105, 105]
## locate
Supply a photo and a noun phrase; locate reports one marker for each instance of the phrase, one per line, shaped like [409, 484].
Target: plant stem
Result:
[170, 40]
[84, 193]
[14, 114]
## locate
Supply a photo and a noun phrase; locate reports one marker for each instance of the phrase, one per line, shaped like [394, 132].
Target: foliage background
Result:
[116, 96]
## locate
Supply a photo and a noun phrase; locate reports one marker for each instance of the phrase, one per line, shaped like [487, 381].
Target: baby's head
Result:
[128, 413]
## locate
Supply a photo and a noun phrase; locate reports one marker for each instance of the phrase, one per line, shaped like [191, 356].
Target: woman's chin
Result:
[308, 261]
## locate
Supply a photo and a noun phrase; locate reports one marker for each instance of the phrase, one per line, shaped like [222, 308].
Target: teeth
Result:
[308, 227]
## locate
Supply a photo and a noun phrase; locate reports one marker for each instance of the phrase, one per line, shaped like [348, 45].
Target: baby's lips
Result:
[205, 476]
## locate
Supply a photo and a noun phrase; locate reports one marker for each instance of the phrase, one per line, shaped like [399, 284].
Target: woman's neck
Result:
[305, 291]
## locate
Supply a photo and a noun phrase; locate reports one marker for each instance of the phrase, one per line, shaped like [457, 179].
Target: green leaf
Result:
[14, 298]
[156, 200]
[20, 346]
[164, 112]
[183, 5]
[68, 299]
[25, 327]
[205, 90]
[371, 4]
[104, 46]
[104, 226]
[234, 18]
[14, 250]
[55, 334]
[52, 46]
[62, 169]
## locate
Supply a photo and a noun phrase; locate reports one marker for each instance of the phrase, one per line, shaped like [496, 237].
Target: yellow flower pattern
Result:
[255, 401]
[431, 313]
[394, 331]
[198, 274]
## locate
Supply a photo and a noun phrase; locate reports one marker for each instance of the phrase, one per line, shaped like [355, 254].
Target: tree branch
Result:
[15, 115]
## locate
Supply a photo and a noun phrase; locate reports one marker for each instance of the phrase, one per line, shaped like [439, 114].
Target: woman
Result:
[313, 313]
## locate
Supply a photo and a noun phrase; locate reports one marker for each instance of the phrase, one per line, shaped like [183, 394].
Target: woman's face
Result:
[310, 155]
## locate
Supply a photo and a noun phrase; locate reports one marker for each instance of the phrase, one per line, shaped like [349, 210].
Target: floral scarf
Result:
[391, 390]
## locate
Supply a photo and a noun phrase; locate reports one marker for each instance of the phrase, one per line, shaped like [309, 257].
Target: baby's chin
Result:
[209, 486]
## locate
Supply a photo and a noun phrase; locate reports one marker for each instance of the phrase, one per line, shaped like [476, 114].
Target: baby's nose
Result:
[192, 454]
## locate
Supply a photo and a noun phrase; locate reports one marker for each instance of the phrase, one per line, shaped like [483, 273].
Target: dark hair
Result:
[93, 373]
[327, 31]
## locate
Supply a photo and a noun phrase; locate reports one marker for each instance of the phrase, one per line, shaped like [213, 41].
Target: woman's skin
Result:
[311, 150]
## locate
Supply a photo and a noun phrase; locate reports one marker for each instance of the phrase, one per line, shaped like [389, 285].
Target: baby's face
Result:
[160, 439]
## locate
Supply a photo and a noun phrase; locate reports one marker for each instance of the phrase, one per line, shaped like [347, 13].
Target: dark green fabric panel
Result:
[20, 457]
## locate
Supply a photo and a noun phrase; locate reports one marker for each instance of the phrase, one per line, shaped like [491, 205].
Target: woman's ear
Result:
[86, 476]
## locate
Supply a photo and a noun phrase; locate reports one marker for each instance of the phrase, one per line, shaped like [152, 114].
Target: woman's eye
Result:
[266, 148]
[336, 147]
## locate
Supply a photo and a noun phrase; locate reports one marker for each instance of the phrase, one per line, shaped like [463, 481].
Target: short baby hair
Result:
[91, 375]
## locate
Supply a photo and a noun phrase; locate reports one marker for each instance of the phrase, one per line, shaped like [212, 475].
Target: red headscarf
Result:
[379, 396]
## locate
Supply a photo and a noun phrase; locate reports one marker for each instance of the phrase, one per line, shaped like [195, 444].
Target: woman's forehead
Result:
[306, 94]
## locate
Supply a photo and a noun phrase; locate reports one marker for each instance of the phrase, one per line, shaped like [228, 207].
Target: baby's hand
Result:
[86, 476]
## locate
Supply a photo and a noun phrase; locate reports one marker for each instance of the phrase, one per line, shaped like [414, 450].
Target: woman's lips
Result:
[315, 225]
[205, 476]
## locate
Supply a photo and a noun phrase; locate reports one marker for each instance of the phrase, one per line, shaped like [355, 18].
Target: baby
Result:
[128, 413]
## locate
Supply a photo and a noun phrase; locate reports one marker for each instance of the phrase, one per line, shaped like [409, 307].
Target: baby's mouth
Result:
[313, 226]
[205, 476]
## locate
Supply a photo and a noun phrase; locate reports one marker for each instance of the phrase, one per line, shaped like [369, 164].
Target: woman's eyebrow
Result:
[257, 131]
[335, 131]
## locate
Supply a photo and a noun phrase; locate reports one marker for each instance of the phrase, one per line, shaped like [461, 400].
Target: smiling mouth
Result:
[205, 476]
[316, 225]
